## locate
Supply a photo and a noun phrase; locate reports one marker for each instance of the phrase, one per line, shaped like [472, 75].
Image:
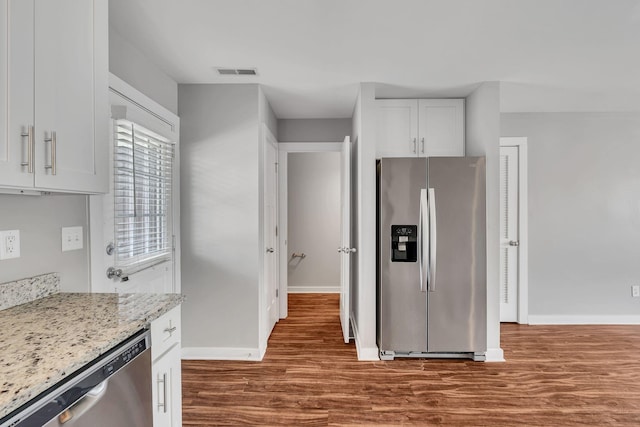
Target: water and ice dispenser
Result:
[404, 243]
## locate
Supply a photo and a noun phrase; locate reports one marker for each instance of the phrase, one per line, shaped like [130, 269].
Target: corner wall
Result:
[220, 219]
[483, 139]
[584, 214]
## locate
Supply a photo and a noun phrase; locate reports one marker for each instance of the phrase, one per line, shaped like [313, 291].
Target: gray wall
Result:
[483, 139]
[220, 214]
[313, 130]
[132, 66]
[314, 221]
[40, 219]
[584, 211]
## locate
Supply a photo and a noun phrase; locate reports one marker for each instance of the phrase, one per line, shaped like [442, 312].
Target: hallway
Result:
[554, 375]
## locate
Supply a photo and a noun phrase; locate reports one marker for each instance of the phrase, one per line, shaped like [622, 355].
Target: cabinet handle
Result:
[163, 405]
[422, 145]
[414, 145]
[53, 141]
[29, 135]
[170, 330]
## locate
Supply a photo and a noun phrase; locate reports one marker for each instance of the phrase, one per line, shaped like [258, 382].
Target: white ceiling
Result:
[551, 55]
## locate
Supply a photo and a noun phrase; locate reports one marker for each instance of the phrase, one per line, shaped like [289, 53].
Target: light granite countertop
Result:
[43, 341]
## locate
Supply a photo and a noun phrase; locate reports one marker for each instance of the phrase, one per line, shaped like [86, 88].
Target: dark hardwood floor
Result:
[554, 376]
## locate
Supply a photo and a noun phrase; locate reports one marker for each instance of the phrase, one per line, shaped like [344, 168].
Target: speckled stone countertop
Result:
[43, 341]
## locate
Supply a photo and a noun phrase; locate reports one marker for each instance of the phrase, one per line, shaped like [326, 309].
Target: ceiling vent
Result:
[237, 71]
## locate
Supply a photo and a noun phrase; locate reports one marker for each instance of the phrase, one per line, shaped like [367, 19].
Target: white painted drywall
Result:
[584, 211]
[40, 219]
[314, 221]
[220, 214]
[313, 130]
[133, 66]
[365, 262]
[483, 139]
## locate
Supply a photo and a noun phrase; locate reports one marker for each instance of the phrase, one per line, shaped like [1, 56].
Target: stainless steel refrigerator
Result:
[431, 278]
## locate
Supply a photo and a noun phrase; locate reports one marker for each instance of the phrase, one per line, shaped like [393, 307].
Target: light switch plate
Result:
[9, 244]
[71, 238]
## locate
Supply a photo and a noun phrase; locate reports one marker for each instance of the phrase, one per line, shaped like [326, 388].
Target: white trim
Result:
[364, 353]
[523, 229]
[584, 319]
[323, 289]
[221, 353]
[284, 148]
[494, 355]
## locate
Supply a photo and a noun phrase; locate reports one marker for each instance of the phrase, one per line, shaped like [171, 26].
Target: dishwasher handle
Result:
[83, 405]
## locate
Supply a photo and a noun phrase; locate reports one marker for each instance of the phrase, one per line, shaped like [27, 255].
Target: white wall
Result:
[584, 213]
[220, 215]
[314, 221]
[364, 300]
[313, 130]
[483, 139]
[132, 66]
[40, 219]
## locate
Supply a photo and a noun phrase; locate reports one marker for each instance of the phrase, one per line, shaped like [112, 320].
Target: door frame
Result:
[284, 148]
[147, 108]
[523, 225]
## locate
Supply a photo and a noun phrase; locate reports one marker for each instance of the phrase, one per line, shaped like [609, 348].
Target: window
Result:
[143, 167]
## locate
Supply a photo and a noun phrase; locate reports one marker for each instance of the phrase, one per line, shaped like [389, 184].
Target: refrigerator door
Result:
[457, 259]
[402, 305]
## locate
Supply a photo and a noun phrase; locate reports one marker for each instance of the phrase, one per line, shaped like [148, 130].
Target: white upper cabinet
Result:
[16, 93]
[55, 126]
[420, 127]
[397, 128]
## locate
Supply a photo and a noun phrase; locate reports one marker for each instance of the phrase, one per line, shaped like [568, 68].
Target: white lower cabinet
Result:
[166, 372]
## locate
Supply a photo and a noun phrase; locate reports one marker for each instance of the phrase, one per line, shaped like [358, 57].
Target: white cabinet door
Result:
[167, 389]
[71, 106]
[441, 129]
[397, 128]
[16, 92]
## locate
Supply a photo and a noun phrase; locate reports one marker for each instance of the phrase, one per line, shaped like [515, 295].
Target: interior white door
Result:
[509, 234]
[345, 233]
[270, 230]
[160, 278]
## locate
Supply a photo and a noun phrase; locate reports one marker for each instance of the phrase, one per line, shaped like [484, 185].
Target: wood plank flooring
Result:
[554, 376]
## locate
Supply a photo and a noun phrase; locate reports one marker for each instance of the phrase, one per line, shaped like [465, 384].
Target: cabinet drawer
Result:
[165, 332]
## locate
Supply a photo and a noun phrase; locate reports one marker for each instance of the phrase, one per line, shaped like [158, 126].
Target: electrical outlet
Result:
[71, 238]
[9, 244]
[635, 290]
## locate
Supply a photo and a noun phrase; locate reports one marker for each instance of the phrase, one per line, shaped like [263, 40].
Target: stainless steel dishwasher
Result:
[114, 390]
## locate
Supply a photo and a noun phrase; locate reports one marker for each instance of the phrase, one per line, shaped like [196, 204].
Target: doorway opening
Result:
[312, 223]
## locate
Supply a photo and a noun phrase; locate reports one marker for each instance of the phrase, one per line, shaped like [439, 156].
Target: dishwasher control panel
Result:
[124, 357]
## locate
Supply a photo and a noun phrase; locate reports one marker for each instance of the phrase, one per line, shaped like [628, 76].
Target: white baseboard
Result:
[494, 355]
[578, 319]
[324, 289]
[222, 353]
[364, 353]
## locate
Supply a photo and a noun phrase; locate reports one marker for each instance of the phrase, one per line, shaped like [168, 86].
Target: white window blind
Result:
[143, 167]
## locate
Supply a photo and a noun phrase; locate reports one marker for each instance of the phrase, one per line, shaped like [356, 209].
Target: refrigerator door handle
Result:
[423, 236]
[433, 240]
